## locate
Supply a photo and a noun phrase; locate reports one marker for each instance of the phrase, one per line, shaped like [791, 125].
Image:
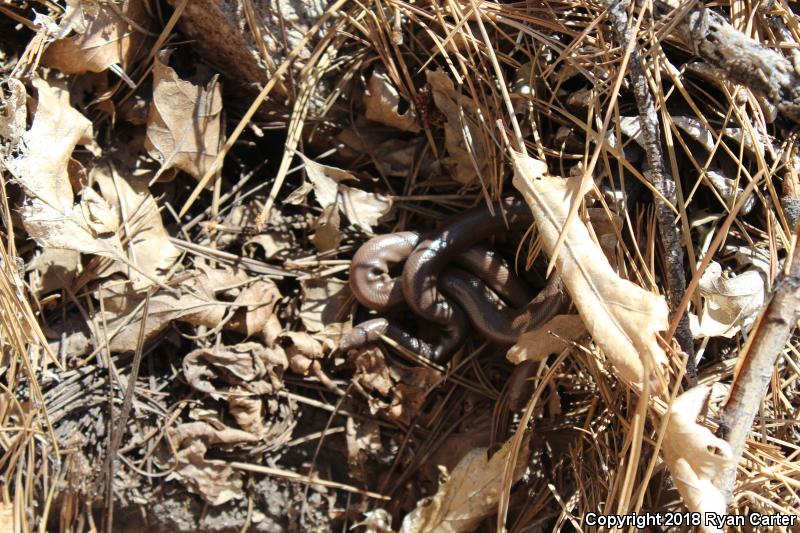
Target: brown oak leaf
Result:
[183, 126]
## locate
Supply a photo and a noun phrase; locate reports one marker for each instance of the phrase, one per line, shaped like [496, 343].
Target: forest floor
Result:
[184, 187]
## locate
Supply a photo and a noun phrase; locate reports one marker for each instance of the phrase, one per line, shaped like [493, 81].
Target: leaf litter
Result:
[226, 321]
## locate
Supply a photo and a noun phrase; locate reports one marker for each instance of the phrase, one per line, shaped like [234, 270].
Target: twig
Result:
[118, 431]
[722, 232]
[743, 60]
[251, 265]
[309, 480]
[767, 341]
[662, 181]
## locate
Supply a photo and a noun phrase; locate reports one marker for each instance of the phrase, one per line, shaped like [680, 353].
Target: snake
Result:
[448, 279]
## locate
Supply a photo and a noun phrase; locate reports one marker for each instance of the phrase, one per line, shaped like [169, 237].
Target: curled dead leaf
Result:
[213, 479]
[729, 303]
[248, 365]
[256, 313]
[695, 456]
[382, 102]
[209, 435]
[466, 496]
[406, 387]
[463, 136]
[302, 350]
[362, 209]
[248, 412]
[100, 216]
[622, 318]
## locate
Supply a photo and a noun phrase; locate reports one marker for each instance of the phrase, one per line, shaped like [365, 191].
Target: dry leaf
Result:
[323, 303]
[363, 441]
[299, 195]
[208, 434]
[205, 300]
[247, 365]
[405, 387]
[695, 456]
[147, 245]
[212, 479]
[327, 235]
[248, 412]
[49, 213]
[82, 227]
[183, 127]
[466, 497]
[103, 34]
[241, 375]
[393, 156]
[622, 318]
[547, 339]
[362, 209]
[48, 145]
[382, 103]
[257, 314]
[13, 114]
[55, 269]
[463, 136]
[376, 521]
[302, 350]
[100, 216]
[729, 303]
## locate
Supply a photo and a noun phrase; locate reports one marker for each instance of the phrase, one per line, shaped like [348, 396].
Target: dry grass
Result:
[549, 76]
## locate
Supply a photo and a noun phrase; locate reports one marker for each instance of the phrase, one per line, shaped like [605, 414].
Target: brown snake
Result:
[476, 289]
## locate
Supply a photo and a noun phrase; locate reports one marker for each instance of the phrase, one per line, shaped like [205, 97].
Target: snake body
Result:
[449, 280]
